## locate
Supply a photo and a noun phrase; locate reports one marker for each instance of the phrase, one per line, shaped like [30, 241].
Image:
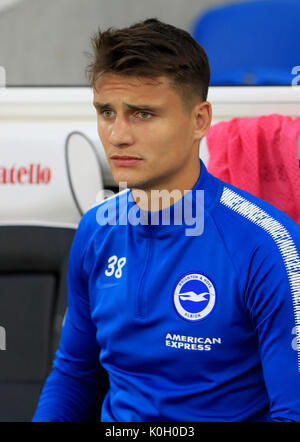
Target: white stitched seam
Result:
[282, 239]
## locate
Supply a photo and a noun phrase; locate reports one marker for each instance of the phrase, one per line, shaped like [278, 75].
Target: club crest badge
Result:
[194, 297]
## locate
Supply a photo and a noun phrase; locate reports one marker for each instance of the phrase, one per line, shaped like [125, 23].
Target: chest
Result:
[175, 285]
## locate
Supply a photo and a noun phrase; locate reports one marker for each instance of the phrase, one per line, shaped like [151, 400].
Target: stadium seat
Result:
[252, 42]
[43, 191]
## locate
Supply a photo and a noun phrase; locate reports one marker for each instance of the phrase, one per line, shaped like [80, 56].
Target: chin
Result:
[129, 184]
[129, 178]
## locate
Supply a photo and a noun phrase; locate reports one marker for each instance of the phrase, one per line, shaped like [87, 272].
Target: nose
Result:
[120, 134]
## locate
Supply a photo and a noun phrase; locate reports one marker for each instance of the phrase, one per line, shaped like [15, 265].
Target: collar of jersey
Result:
[182, 214]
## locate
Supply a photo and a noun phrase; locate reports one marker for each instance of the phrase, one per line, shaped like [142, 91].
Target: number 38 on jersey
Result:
[114, 266]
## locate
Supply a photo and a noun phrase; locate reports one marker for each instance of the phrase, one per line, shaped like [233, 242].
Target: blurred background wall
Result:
[43, 43]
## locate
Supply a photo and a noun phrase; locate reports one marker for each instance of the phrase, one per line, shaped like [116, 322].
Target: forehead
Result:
[110, 85]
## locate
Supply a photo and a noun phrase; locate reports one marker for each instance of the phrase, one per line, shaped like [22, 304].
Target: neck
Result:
[166, 194]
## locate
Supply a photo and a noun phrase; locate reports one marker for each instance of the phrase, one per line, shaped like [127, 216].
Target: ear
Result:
[202, 116]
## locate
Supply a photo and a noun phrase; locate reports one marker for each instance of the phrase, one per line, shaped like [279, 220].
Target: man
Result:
[191, 310]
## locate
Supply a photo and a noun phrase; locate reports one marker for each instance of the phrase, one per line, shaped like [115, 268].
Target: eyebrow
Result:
[147, 107]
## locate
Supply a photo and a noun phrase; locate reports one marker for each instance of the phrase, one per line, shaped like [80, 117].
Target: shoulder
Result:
[110, 206]
[250, 215]
[255, 232]
[259, 237]
[101, 216]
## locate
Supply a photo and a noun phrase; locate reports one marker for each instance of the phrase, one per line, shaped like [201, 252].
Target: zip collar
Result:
[187, 213]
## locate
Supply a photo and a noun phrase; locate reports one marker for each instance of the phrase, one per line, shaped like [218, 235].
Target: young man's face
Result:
[150, 141]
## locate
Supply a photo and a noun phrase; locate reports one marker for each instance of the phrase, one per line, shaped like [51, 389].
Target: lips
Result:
[126, 160]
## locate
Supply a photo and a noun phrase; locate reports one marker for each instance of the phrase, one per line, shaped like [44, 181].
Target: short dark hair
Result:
[151, 48]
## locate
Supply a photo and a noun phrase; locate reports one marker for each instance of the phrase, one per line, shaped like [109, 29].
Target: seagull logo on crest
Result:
[192, 296]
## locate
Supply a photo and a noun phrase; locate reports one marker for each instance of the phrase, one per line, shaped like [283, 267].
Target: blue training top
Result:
[191, 322]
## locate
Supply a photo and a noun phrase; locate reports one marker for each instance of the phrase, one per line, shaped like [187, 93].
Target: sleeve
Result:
[273, 299]
[75, 388]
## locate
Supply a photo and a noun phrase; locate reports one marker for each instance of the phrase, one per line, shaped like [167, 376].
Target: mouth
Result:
[125, 160]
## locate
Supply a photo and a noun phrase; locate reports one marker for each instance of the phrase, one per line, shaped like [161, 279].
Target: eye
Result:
[106, 113]
[145, 115]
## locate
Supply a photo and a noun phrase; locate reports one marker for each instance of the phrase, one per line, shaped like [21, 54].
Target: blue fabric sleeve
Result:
[77, 384]
[273, 303]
